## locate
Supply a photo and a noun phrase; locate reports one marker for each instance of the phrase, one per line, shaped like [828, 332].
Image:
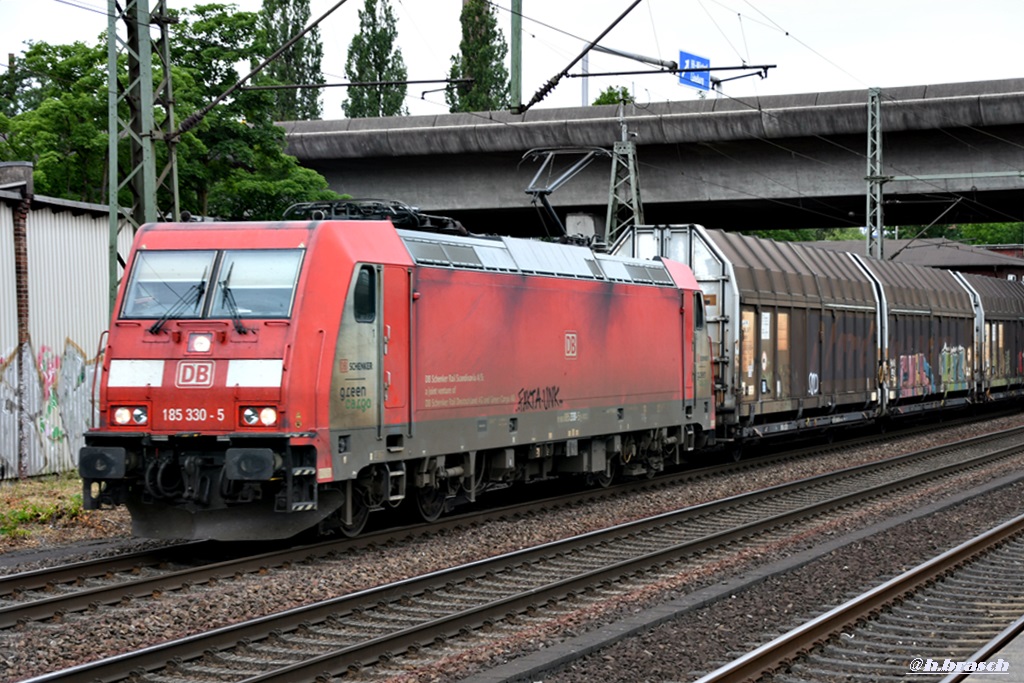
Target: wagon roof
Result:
[999, 298]
[935, 253]
[787, 273]
[796, 273]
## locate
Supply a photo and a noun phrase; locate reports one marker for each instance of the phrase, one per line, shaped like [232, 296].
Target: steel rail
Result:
[786, 647]
[40, 579]
[985, 652]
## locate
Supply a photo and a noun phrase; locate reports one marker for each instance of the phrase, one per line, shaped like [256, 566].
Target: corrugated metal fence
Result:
[68, 289]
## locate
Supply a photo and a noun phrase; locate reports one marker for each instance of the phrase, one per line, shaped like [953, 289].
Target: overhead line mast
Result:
[141, 101]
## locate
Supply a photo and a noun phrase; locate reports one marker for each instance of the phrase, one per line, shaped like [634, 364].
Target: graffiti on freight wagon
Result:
[953, 364]
[917, 377]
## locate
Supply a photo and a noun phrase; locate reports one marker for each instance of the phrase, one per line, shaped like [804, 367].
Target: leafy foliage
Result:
[372, 56]
[47, 71]
[279, 21]
[613, 95]
[273, 183]
[970, 233]
[980, 233]
[57, 119]
[808, 234]
[993, 233]
[482, 58]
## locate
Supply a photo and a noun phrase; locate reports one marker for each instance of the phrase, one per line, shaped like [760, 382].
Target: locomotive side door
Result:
[395, 352]
[372, 358]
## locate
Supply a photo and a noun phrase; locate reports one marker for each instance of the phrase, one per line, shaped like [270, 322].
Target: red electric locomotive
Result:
[263, 379]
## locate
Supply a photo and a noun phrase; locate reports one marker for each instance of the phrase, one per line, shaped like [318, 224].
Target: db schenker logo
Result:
[194, 374]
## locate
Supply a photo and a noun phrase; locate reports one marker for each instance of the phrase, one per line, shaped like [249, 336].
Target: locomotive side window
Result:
[166, 281]
[365, 295]
[698, 310]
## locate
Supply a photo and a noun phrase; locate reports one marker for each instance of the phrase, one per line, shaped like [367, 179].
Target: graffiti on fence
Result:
[49, 423]
[45, 412]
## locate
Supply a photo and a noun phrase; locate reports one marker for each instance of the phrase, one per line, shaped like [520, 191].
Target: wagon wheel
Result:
[360, 513]
[430, 501]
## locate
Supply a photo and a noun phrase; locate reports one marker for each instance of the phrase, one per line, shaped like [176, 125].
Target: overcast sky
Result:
[816, 45]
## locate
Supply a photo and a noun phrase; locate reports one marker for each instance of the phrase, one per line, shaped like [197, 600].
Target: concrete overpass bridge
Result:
[790, 161]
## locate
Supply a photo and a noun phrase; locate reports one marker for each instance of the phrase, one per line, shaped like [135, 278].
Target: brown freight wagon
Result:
[807, 339]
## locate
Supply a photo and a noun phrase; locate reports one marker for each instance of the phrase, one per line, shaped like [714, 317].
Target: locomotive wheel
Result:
[605, 478]
[430, 502]
[360, 513]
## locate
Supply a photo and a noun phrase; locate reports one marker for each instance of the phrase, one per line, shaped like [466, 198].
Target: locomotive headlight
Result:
[254, 416]
[200, 342]
[125, 415]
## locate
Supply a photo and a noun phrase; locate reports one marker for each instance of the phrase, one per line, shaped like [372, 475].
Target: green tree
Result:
[970, 233]
[807, 234]
[231, 164]
[279, 21]
[482, 58]
[613, 95]
[373, 56]
[44, 71]
[58, 120]
[906, 232]
[263, 190]
[993, 233]
[12, 86]
[236, 146]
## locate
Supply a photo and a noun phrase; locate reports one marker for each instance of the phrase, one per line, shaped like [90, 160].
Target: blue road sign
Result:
[694, 79]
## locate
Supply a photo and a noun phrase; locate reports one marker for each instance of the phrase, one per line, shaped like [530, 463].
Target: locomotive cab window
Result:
[256, 283]
[164, 282]
[249, 283]
[698, 310]
[365, 295]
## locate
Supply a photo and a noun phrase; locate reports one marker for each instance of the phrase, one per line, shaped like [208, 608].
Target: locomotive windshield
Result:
[253, 283]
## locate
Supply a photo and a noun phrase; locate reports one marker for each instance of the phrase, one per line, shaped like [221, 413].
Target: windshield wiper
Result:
[189, 298]
[228, 299]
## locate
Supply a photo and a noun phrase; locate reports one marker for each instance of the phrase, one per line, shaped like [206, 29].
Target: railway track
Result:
[413, 618]
[45, 593]
[958, 608]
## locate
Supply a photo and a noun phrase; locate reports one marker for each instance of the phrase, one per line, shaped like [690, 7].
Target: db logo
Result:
[194, 374]
[571, 344]
[343, 365]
